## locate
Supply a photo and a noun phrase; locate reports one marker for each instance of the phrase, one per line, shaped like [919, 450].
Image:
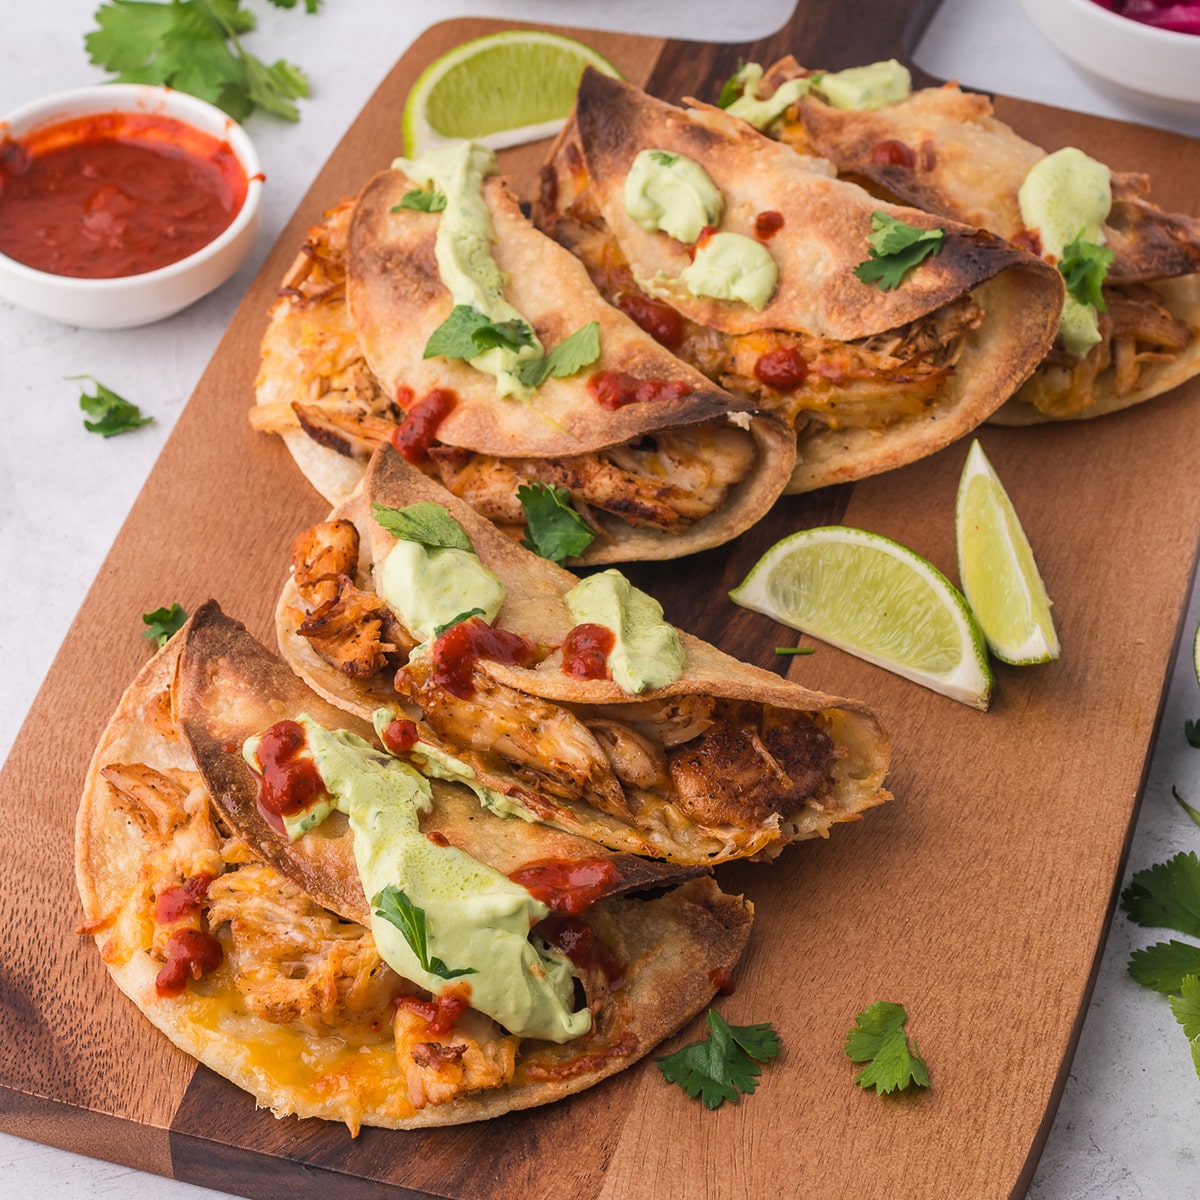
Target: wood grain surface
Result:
[978, 898]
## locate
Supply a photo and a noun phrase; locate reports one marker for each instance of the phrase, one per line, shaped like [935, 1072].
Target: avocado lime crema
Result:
[871, 86]
[428, 586]
[476, 921]
[729, 266]
[435, 763]
[1068, 195]
[762, 114]
[647, 652]
[463, 250]
[672, 193]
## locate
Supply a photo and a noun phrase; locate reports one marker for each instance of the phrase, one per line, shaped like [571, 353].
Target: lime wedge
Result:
[875, 599]
[501, 90]
[997, 570]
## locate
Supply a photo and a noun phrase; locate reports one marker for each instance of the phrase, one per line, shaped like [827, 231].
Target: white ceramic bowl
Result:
[136, 299]
[1157, 68]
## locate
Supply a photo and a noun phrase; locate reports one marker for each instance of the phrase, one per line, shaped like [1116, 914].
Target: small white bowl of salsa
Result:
[122, 204]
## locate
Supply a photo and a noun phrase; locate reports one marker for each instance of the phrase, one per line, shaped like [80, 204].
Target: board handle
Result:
[847, 33]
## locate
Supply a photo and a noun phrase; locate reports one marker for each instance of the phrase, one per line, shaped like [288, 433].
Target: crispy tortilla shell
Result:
[534, 607]
[672, 947]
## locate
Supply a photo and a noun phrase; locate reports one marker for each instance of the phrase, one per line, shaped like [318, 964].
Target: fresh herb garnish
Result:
[878, 1038]
[663, 157]
[114, 414]
[467, 333]
[194, 46]
[1186, 1007]
[794, 650]
[162, 623]
[1166, 895]
[1163, 965]
[1083, 267]
[424, 522]
[731, 89]
[1191, 731]
[428, 200]
[725, 1063]
[1187, 808]
[395, 907]
[570, 356]
[438, 630]
[894, 248]
[555, 530]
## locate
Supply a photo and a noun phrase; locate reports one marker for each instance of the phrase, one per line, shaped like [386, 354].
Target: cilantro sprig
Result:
[1191, 731]
[553, 528]
[795, 651]
[468, 333]
[723, 1064]
[113, 414]
[1166, 895]
[438, 630]
[424, 522]
[1186, 1008]
[1083, 267]
[195, 46]
[878, 1039]
[894, 248]
[394, 906]
[162, 623]
[428, 200]
[568, 358]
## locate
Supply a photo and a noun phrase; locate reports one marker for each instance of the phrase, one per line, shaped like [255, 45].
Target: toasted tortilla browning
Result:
[295, 1005]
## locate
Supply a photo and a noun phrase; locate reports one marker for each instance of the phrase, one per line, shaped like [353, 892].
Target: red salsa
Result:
[767, 225]
[566, 886]
[439, 1013]
[659, 320]
[585, 652]
[400, 735]
[289, 783]
[457, 651]
[577, 941]
[190, 954]
[115, 194]
[181, 900]
[418, 431]
[615, 389]
[783, 369]
[894, 154]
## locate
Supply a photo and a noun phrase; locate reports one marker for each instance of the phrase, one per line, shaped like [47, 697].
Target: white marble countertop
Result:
[1126, 1126]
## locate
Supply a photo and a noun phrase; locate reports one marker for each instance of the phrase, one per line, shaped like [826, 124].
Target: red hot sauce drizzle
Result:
[289, 784]
[457, 651]
[894, 154]
[190, 954]
[566, 886]
[441, 1012]
[400, 736]
[585, 652]
[114, 194]
[767, 225]
[418, 431]
[577, 941]
[181, 900]
[783, 369]
[615, 389]
[658, 319]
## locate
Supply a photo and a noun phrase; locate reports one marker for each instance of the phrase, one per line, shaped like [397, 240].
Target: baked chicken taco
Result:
[430, 314]
[1131, 323]
[879, 333]
[344, 938]
[573, 702]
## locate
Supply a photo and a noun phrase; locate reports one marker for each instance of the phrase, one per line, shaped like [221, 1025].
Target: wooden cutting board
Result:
[979, 898]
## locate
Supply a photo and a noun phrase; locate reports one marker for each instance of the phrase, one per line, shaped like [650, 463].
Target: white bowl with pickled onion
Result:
[1158, 68]
[122, 204]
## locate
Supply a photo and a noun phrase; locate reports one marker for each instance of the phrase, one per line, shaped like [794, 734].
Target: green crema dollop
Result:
[671, 193]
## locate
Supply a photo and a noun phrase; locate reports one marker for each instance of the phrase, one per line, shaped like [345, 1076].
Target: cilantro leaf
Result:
[1186, 1007]
[795, 650]
[894, 248]
[555, 530]
[724, 1064]
[438, 630]
[424, 522]
[467, 333]
[1163, 965]
[194, 46]
[428, 200]
[664, 158]
[1187, 808]
[569, 357]
[162, 623]
[1191, 731]
[395, 907]
[731, 89]
[1083, 267]
[878, 1038]
[1167, 894]
[114, 414]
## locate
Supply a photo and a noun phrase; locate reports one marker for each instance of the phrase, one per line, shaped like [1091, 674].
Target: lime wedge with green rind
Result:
[875, 599]
[500, 90]
[996, 567]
